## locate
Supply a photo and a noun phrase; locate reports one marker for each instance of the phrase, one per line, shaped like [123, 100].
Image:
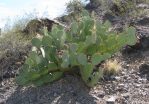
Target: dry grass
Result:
[112, 66]
[14, 46]
[12, 41]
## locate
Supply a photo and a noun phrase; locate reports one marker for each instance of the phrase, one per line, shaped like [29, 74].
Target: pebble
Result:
[78, 103]
[143, 6]
[146, 85]
[123, 73]
[143, 80]
[126, 76]
[1, 97]
[101, 94]
[111, 100]
[137, 85]
[117, 78]
[121, 85]
[55, 94]
[125, 95]
[18, 63]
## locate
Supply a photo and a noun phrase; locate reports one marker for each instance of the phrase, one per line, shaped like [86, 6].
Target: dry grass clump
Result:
[112, 67]
[14, 44]
[12, 41]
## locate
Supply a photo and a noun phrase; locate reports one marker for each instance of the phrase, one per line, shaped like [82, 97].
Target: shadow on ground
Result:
[144, 70]
[69, 90]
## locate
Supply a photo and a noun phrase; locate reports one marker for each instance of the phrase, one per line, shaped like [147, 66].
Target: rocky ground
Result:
[130, 86]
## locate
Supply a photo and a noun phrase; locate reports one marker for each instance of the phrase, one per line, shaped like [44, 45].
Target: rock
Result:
[143, 21]
[142, 80]
[146, 86]
[126, 95]
[101, 94]
[111, 100]
[37, 25]
[123, 73]
[143, 6]
[112, 77]
[78, 103]
[121, 85]
[117, 78]
[18, 63]
[144, 69]
[138, 85]
[55, 94]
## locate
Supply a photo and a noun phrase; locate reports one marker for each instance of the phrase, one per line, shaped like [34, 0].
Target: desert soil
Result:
[130, 86]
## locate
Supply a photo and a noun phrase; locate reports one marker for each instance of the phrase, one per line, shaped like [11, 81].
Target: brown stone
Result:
[37, 25]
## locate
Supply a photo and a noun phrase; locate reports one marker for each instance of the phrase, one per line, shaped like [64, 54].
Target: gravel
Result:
[130, 86]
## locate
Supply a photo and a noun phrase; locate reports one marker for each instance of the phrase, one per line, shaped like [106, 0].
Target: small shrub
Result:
[75, 6]
[86, 44]
[74, 10]
[13, 49]
[14, 46]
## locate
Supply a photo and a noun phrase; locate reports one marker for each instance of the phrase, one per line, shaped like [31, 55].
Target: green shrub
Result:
[85, 45]
[74, 10]
[75, 6]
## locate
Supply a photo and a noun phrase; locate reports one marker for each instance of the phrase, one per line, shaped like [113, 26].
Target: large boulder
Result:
[37, 25]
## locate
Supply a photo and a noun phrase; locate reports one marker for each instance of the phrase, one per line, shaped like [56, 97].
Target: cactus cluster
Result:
[86, 44]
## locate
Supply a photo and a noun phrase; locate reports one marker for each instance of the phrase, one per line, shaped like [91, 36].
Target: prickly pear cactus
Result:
[85, 45]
